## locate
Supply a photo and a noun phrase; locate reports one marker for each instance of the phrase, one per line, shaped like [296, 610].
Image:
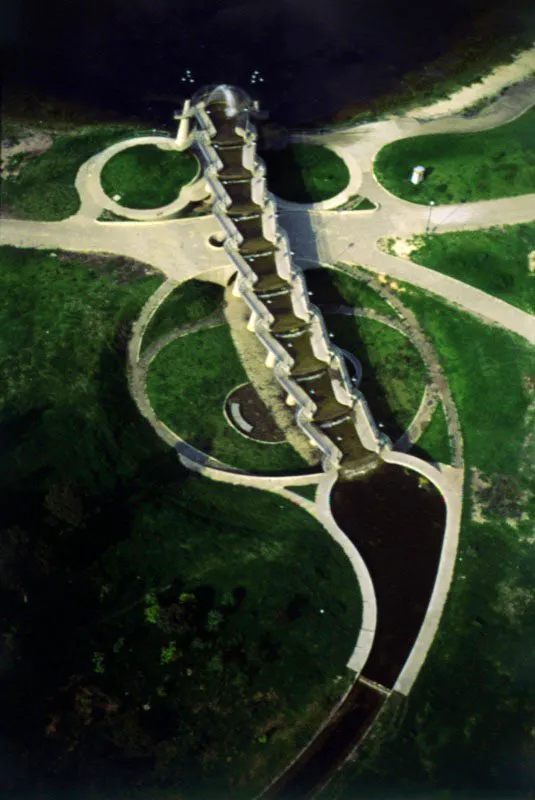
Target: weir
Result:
[313, 373]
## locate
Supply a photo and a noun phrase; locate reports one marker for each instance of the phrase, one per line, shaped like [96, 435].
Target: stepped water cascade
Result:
[313, 373]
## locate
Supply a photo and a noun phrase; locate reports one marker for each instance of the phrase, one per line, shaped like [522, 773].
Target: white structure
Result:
[418, 174]
[182, 136]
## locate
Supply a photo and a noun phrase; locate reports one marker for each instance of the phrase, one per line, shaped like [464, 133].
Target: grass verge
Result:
[463, 167]
[308, 492]
[155, 629]
[147, 177]
[434, 443]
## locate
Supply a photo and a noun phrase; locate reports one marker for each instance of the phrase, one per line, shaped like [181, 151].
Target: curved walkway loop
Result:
[94, 199]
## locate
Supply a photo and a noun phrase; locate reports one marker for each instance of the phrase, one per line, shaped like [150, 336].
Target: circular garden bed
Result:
[247, 412]
[147, 177]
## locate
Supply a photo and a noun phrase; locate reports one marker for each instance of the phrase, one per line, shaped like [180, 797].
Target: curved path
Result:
[94, 199]
[180, 249]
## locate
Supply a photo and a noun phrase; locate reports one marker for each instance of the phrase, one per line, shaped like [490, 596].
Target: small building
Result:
[418, 174]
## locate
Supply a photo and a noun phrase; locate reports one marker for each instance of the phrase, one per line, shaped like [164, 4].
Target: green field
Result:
[156, 619]
[463, 167]
[467, 727]
[495, 260]
[189, 302]
[188, 382]
[147, 177]
[44, 188]
[305, 173]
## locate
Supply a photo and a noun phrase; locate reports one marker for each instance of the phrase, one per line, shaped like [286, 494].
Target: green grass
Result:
[148, 177]
[357, 293]
[308, 492]
[393, 374]
[486, 370]
[305, 173]
[187, 384]
[495, 260]
[365, 204]
[190, 302]
[463, 167]
[488, 44]
[467, 728]
[44, 189]
[357, 203]
[101, 524]
[434, 443]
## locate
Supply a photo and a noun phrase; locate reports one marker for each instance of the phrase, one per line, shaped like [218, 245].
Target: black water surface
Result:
[397, 525]
[315, 56]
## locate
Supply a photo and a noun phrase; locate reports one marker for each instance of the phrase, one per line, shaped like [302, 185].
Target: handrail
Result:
[261, 317]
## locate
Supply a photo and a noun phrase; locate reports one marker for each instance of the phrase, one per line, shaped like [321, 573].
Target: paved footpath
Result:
[176, 247]
[180, 250]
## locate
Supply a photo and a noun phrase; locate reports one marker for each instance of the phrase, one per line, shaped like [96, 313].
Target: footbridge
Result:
[216, 124]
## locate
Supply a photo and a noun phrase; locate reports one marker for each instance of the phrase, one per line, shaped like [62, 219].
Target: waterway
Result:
[397, 523]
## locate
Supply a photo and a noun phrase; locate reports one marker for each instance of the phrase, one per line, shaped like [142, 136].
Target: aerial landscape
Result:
[267, 408]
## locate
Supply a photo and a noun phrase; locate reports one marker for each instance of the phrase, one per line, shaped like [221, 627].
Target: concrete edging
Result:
[449, 481]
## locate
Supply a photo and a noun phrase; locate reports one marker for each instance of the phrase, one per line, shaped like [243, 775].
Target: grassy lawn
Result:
[393, 374]
[305, 173]
[463, 167]
[148, 177]
[467, 728]
[44, 188]
[495, 260]
[187, 385]
[190, 302]
[154, 620]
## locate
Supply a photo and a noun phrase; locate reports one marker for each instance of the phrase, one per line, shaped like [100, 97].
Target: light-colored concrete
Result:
[519, 69]
[94, 200]
[449, 481]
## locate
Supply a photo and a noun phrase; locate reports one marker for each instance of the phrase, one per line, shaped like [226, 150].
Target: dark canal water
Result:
[398, 527]
[315, 56]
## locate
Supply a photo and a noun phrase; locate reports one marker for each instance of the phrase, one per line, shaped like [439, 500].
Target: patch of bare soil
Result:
[16, 152]
[255, 413]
